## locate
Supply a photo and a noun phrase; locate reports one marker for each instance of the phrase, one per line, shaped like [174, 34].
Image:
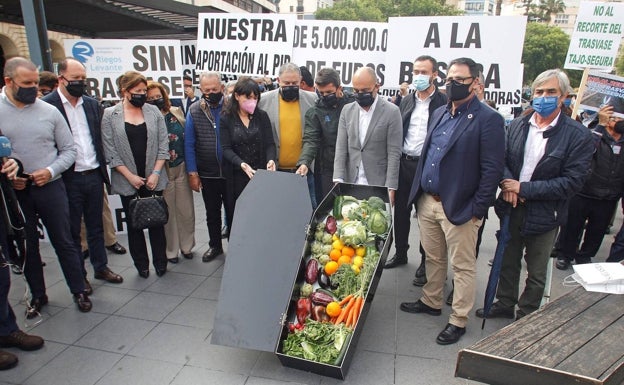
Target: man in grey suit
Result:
[370, 132]
[286, 108]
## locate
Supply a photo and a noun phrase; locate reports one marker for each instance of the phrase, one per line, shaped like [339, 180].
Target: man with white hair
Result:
[547, 160]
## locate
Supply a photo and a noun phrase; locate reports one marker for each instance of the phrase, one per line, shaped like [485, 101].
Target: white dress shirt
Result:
[417, 130]
[86, 158]
[365, 119]
[534, 148]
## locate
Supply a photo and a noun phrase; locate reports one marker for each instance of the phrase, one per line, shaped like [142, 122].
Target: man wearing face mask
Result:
[547, 160]
[42, 141]
[416, 109]
[204, 156]
[321, 130]
[594, 205]
[368, 146]
[462, 161]
[286, 107]
[84, 180]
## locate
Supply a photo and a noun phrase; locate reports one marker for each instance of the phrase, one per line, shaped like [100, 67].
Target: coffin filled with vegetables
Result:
[298, 283]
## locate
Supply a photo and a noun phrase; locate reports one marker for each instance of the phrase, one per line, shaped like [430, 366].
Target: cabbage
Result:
[377, 223]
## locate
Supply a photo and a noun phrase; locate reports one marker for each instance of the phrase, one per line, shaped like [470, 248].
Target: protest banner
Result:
[344, 46]
[244, 44]
[596, 37]
[601, 90]
[107, 59]
[494, 42]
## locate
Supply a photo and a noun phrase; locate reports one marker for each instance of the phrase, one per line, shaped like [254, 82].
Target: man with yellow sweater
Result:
[286, 108]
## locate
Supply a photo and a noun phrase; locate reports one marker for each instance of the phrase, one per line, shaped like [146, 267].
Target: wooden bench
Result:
[576, 339]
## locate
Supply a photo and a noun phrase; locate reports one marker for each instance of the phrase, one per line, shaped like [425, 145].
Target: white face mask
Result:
[421, 82]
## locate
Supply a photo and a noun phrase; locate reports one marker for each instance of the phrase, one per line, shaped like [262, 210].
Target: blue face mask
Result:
[545, 105]
[421, 82]
[567, 102]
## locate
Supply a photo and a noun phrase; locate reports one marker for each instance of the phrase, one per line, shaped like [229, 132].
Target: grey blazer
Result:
[117, 148]
[380, 152]
[269, 102]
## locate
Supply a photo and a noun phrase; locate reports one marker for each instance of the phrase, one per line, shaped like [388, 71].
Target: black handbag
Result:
[148, 212]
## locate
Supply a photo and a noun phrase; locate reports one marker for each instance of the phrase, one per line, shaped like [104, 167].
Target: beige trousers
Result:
[109, 228]
[443, 241]
[180, 230]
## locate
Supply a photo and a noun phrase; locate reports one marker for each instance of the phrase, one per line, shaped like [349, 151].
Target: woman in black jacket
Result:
[246, 140]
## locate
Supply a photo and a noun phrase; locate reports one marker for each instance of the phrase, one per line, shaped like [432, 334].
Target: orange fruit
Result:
[360, 251]
[335, 254]
[348, 251]
[337, 244]
[331, 267]
[344, 259]
[333, 309]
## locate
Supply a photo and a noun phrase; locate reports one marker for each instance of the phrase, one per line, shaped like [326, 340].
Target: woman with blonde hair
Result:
[136, 147]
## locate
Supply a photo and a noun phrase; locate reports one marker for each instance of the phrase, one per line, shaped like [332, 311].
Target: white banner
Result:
[596, 37]
[107, 59]
[494, 42]
[344, 46]
[244, 44]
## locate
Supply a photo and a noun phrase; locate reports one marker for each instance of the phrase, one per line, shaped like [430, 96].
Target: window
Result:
[561, 18]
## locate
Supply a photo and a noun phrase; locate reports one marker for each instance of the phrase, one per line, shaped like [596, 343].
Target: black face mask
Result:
[160, 103]
[138, 100]
[76, 88]
[364, 99]
[26, 95]
[214, 98]
[290, 93]
[457, 91]
[619, 127]
[330, 100]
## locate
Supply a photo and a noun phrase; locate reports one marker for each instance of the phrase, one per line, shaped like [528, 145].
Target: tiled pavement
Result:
[157, 330]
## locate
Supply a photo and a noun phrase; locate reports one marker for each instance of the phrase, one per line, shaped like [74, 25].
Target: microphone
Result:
[5, 148]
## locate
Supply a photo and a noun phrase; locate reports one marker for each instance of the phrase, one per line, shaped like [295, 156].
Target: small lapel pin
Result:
[469, 116]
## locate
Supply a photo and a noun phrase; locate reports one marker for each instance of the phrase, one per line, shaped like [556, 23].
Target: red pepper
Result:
[304, 307]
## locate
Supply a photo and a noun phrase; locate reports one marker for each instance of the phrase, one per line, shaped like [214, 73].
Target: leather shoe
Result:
[161, 272]
[396, 260]
[419, 307]
[19, 339]
[450, 334]
[7, 360]
[496, 311]
[83, 302]
[36, 304]
[563, 264]
[419, 281]
[116, 248]
[449, 299]
[173, 260]
[211, 254]
[88, 288]
[421, 271]
[143, 273]
[188, 255]
[108, 276]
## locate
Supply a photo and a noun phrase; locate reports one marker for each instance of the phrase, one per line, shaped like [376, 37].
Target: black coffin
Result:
[265, 261]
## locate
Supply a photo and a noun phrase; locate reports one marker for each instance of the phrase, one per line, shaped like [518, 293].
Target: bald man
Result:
[370, 135]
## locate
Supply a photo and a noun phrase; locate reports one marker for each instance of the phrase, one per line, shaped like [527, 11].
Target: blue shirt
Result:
[440, 138]
[189, 138]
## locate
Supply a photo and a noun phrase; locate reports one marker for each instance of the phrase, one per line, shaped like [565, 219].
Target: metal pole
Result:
[37, 33]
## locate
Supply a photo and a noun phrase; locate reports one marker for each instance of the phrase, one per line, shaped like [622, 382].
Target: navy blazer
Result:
[472, 166]
[93, 111]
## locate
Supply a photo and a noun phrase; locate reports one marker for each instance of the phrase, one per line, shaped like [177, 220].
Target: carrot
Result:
[345, 300]
[357, 309]
[350, 317]
[345, 310]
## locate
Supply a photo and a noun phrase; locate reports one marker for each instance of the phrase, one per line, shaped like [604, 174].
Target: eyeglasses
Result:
[458, 80]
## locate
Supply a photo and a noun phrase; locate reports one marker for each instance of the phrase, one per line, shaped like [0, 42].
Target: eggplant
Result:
[323, 279]
[311, 271]
[331, 225]
[321, 298]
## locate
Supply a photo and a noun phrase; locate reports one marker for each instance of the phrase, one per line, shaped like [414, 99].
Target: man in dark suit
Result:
[416, 111]
[189, 95]
[84, 179]
[368, 147]
[454, 186]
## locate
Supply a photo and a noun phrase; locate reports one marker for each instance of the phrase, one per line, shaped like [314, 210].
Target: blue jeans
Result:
[49, 202]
